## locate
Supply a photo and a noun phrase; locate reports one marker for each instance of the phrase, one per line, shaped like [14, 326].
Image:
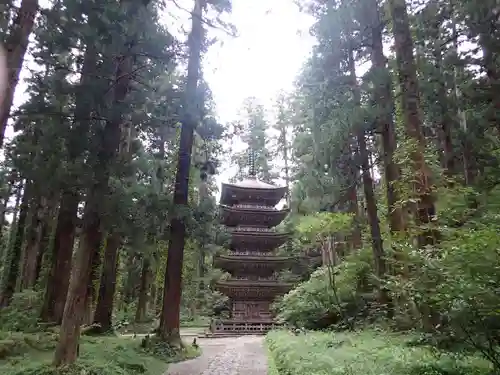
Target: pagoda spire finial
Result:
[252, 173]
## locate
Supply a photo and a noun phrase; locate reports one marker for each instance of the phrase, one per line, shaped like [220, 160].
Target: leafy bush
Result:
[363, 353]
[22, 313]
[329, 295]
[32, 355]
[462, 285]
[14, 343]
[151, 345]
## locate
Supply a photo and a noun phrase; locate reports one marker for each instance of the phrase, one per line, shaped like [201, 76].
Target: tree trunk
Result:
[3, 210]
[383, 100]
[92, 294]
[104, 310]
[67, 347]
[31, 249]
[444, 125]
[142, 304]
[355, 237]
[170, 315]
[15, 218]
[62, 251]
[16, 45]
[43, 239]
[424, 209]
[371, 204]
[467, 147]
[153, 297]
[12, 272]
[130, 281]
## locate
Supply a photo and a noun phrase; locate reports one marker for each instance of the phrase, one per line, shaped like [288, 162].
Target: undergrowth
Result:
[108, 355]
[271, 366]
[151, 345]
[22, 313]
[364, 353]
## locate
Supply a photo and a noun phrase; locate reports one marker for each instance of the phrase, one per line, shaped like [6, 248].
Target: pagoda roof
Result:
[253, 289]
[251, 215]
[263, 240]
[232, 263]
[252, 190]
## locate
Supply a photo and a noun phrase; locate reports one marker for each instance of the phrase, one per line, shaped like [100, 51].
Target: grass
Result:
[363, 353]
[271, 366]
[109, 355]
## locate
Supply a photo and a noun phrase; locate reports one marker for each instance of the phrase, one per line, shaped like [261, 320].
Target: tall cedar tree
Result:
[170, 314]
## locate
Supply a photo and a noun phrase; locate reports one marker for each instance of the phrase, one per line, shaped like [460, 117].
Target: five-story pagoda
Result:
[248, 210]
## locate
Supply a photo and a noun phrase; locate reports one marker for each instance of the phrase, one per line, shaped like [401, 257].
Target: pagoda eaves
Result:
[252, 191]
[251, 215]
[255, 239]
[253, 289]
[262, 263]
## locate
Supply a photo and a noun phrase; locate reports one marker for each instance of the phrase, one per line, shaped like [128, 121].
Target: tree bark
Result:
[62, 251]
[424, 209]
[131, 280]
[104, 309]
[170, 315]
[355, 237]
[16, 45]
[67, 347]
[3, 210]
[92, 293]
[31, 249]
[145, 286]
[384, 102]
[43, 239]
[15, 219]
[371, 204]
[467, 147]
[12, 272]
[444, 125]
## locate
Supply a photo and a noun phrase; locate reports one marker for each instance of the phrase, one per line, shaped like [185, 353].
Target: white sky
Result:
[265, 58]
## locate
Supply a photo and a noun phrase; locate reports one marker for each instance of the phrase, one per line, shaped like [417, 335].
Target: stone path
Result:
[226, 356]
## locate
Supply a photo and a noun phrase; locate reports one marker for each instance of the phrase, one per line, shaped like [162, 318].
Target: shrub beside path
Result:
[244, 355]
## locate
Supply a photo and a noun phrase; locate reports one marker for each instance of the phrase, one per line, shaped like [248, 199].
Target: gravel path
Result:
[226, 356]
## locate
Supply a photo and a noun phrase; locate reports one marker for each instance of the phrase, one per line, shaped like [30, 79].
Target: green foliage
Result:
[152, 345]
[14, 343]
[313, 229]
[319, 303]
[363, 353]
[252, 130]
[271, 365]
[461, 283]
[23, 313]
[98, 356]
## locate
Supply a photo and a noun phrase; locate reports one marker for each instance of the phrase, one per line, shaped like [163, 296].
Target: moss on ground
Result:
[364, 353]
[108, 355]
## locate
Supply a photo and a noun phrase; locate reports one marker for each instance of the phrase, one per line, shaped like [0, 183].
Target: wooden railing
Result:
[242, 327]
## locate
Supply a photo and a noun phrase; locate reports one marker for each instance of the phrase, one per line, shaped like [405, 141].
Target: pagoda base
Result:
[230, 327]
